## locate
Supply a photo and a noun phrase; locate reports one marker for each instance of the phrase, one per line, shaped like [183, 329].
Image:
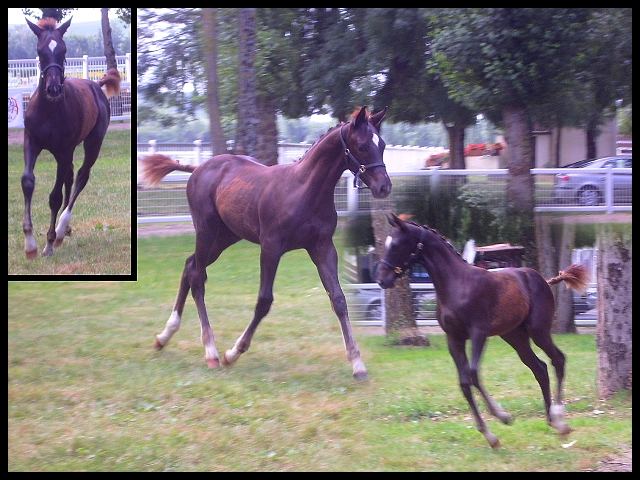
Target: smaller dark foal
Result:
[473, 303]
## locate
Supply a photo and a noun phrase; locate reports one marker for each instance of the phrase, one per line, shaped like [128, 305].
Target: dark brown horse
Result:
[62, 113]
[474, 303]
[282, 208]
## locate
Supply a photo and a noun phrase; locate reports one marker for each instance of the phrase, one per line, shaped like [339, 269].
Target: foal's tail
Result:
[156, 166]
[575, 275]
[110, 83]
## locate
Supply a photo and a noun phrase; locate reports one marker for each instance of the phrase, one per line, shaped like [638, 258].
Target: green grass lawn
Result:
[86, 390]
[101, 239]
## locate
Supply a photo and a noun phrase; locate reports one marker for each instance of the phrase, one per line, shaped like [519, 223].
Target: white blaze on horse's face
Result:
[387, 242]
[375, 139]
[52, 45]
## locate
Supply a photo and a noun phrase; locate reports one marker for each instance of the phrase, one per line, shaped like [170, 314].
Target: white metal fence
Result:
[168, 203]
[25, 73]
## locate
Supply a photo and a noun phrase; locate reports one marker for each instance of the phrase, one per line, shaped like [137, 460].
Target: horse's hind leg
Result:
[555, 412]
[269, 260]
[55, 198]
[459, 355]
[519, 340]
[28, 182]
[173, 324]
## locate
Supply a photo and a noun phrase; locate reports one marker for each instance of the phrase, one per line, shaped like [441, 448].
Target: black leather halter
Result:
[43, 72]
[354, 165]
[401, 270]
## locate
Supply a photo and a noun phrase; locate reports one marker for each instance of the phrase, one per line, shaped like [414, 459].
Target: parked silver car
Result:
[589, 188]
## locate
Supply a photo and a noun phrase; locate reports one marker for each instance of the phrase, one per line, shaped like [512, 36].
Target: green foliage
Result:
[624, 120]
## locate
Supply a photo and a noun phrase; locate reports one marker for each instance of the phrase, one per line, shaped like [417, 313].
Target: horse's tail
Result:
[575, 275]
[156, 166]
[110, 83]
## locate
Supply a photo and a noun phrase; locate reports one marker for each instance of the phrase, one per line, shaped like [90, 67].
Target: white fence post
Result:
[37, 68]
[198, 151]
[608, 188]
[352, 198]
[152, 146]
[127, 66]
[85, 66]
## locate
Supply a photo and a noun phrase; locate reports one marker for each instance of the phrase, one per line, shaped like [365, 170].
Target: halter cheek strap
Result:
[354, 165]
[400, 271]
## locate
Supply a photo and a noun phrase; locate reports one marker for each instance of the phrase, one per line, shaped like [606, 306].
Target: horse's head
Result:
[401, 249]
[364, 149]
[51, 52]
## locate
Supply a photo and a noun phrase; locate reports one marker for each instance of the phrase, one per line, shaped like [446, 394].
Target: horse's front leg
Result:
[28, 182]
[55, 200]
[325, 257]
[269, 260]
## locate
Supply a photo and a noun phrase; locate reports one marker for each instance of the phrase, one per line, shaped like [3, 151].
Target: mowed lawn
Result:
[100, 242]
[86, 390]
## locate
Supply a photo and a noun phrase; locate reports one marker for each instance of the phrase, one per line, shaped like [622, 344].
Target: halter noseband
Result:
[43, 72]
[401, 271]
[352, 161]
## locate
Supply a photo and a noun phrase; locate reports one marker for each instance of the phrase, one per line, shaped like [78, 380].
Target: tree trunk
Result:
[267, 147]
[400, 317]
[456, 146]
[613, 332]
[564, 321]
[518, 138]
[520, 187]
[210, 43]
[247, 127]
[107, 41]
[592, 131]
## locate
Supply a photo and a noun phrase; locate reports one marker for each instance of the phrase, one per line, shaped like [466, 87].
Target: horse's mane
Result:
[441, 237]
[47, 23]
[331, 129]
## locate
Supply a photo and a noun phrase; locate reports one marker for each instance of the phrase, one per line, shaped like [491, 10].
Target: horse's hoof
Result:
[225, 362]
[157, 345]
[492, 439]
[563, 429]
[361, 375]
[213, 363]
[48, 250]
[506, 418]
[58, 242]
[31, 254]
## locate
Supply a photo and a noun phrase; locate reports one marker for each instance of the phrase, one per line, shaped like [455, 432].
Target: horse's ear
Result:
[361, 118]
[63, 28]
[34, 28]
[395, 221]
[376, 118]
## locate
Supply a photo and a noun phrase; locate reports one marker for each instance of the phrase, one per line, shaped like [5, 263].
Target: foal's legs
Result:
[269, 259]
[478, 341]
[64, 161]
[555, 413]
[28, 182]
[92, 146]
[519, 340]
[325, 257]
[457, 351]
[214, 242]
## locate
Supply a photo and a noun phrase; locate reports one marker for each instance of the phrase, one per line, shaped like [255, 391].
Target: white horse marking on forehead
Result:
[387, 242]
[52, 45]
[375, 139]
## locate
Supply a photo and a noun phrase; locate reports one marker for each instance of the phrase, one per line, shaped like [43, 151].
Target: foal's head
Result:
[51, 52]
[361, 137]
[401, 249]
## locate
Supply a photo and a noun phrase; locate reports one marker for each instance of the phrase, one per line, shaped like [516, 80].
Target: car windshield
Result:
[598, 162]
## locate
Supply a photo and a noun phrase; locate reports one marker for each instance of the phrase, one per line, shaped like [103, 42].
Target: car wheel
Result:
[589, 196]
[374, 311]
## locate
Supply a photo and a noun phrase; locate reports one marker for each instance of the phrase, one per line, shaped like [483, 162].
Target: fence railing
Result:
[168, 203]
[366, 303]
[24, 75]
[26, 72]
